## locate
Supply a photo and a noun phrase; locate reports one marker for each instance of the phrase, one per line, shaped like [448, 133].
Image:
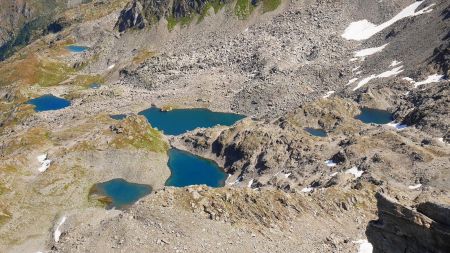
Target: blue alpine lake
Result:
[178, 121]
[76, 48]
[48, 102]
[188, 169]
[94, 85]
[120, 193]
[316, 132]
[118, 116]
[376, 116]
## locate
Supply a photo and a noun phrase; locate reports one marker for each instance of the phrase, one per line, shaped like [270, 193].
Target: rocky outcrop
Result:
[428, 109]
[403, 229]
[131, 16]
[140, 13]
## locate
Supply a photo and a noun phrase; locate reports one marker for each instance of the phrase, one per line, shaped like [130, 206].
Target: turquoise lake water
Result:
[188, 169]
[179, 121]
[121, 192]
[316, 132]
[48, 102]
[94, 85]
[76, 49]
[376, 116]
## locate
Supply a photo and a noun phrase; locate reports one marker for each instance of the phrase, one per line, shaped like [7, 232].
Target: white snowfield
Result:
[351, 81]
[328, 94]
[397, 126]
[354, 171]
[395, 63]
[57, 232]
[389, 73]
[307, 189]
[370, 51]
[363, 29]
[45, 163]
[430, 79]
[364, 246]
[330, 163]
[414, 187]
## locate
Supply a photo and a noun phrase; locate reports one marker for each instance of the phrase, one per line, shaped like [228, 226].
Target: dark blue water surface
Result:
[76, 49]
[118, 116]
[179, 121]
[94, 85]
[370, 115]
[188, 169]
[48, 102]
[121, 192]
[316, 132]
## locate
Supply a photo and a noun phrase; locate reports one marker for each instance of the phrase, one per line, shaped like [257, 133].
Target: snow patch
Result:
[250, 183]
[353, 59]
[307, 189]
[389, 73]
[330, 163]
[57, 232]
[364, 246]
[328, 94]
[397, 126]
[333, 174]
[395, 63]
[430, 79]
[45, 163]
[364, 81]
[351, 81]
[363, 29]
[287, 175]
[370, 51]
[442, 141]
[414, 187]
[42, 158]
[111, 66]
[356, 68]
[354, 171]
[392, 72]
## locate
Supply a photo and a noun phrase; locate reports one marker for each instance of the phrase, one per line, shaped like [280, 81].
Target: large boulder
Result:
[401, 229]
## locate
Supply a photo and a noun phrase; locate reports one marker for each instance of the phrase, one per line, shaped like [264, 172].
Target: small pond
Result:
[119, 193]
[179, 121]
[188, 169]
[118, 116]
[48, 102]
[76, 48]
[376, 116]
[316, 132]
[94, 85]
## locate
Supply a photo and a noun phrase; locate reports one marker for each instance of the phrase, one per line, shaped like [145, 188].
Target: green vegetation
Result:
[51, 73]
[270, 5]
[142, 56]
[183, 21]
[215, 4]
[243, 9]
[137, 133]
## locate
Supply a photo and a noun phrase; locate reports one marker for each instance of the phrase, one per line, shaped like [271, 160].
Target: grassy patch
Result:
[86, 80]
[137, 133]
[183, 21]
[50, 73]
[142, 56]
[270, 5]
[243, 8]
[35, 137]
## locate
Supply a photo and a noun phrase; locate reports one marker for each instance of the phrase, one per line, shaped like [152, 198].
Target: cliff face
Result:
[404, 229]
[21, 20]
[140, 13]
